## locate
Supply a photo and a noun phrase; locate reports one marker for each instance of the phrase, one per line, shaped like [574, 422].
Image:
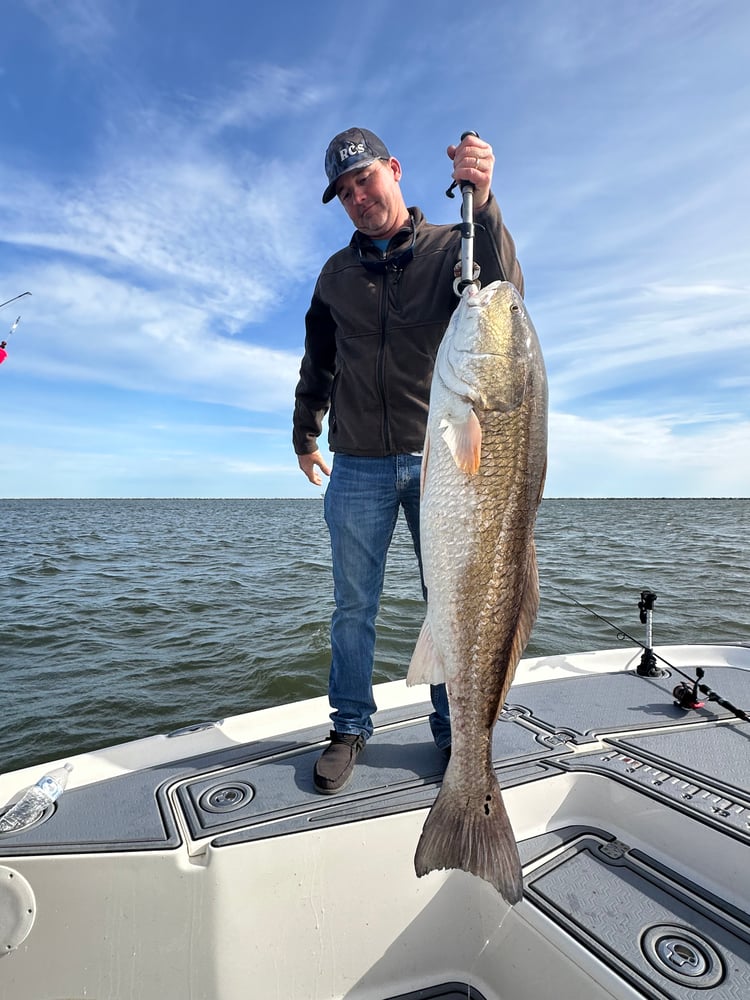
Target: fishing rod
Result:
[4, 343]
[686, 694]
[14, 299]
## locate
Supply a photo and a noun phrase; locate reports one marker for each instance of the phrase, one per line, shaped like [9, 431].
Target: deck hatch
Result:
[639, 919]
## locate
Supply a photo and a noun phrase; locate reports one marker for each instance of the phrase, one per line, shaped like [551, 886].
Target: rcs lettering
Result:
[351, 150]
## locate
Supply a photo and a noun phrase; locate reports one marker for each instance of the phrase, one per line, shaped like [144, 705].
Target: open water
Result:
[126, 618]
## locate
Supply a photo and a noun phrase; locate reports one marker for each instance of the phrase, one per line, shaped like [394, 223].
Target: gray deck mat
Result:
[400, 768]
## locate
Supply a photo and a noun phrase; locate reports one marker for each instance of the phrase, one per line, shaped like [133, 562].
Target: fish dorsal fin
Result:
[464, 440]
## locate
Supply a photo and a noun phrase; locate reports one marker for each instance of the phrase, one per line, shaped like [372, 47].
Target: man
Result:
[377, 316]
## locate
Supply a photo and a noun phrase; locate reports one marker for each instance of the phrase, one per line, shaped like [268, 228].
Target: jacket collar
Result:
[400, 248]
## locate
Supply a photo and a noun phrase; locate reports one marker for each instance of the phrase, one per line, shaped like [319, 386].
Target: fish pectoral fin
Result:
[425, 667]
[464, 440]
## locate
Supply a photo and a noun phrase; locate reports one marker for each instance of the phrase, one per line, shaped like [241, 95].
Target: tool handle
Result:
[467, 232]
[468, 185]
[464, 184]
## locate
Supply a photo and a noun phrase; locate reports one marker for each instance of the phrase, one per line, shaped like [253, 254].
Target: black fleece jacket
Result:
[372, 335]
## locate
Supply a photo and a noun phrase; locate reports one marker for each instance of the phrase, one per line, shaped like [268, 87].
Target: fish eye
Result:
[515, 308]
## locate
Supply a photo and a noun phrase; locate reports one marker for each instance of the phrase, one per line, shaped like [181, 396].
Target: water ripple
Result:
[123, 618]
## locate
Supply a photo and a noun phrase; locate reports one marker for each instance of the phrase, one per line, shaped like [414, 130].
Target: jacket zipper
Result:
[381, 359]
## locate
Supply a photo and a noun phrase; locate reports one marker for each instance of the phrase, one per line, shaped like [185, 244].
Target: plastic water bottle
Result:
[36, 800]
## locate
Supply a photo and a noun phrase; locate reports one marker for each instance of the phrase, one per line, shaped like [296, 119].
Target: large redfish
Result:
[482, 481]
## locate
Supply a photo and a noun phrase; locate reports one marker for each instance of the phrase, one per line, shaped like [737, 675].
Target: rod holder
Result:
[648, 666]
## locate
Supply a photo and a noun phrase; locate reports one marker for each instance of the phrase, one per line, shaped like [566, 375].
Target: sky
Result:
[161, 174]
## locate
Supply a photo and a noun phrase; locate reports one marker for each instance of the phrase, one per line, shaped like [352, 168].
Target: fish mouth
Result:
[474, 297]
[479, 355]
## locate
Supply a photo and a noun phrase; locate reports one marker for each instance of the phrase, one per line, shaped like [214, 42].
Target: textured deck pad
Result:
[719, 753]
[642, 923]
[607, 703]
[398, 770]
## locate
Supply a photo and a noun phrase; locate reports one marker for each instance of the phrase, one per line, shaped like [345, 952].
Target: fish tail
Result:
[474, 836]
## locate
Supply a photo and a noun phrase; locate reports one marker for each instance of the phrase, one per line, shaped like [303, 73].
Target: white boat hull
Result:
[287, 895]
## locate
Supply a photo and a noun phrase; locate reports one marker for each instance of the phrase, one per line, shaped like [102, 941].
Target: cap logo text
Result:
[352, 149]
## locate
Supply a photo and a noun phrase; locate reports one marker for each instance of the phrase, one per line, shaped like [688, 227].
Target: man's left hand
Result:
[474, 161]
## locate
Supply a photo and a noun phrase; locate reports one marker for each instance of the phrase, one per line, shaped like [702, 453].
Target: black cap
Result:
[351, 150]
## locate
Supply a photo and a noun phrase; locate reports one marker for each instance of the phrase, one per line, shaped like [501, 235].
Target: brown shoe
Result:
[335, 766]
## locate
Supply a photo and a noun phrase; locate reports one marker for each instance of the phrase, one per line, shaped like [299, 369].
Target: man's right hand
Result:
[310, 465]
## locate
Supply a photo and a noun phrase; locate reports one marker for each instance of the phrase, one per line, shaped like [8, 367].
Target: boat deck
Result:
[632, 816]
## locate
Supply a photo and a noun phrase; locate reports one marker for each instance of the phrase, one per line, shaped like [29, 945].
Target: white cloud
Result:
[264, 93]
[139, 466]
[170, 227]
[199, 227]
[81, 25]
[90, 328]
[637, 457]
[148, 265]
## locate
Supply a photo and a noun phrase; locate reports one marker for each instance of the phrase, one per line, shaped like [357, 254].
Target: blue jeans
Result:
[361, 509]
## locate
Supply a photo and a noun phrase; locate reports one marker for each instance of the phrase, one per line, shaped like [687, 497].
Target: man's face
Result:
[372, 198]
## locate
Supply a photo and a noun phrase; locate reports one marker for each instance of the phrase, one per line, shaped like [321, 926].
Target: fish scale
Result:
[482, 482]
